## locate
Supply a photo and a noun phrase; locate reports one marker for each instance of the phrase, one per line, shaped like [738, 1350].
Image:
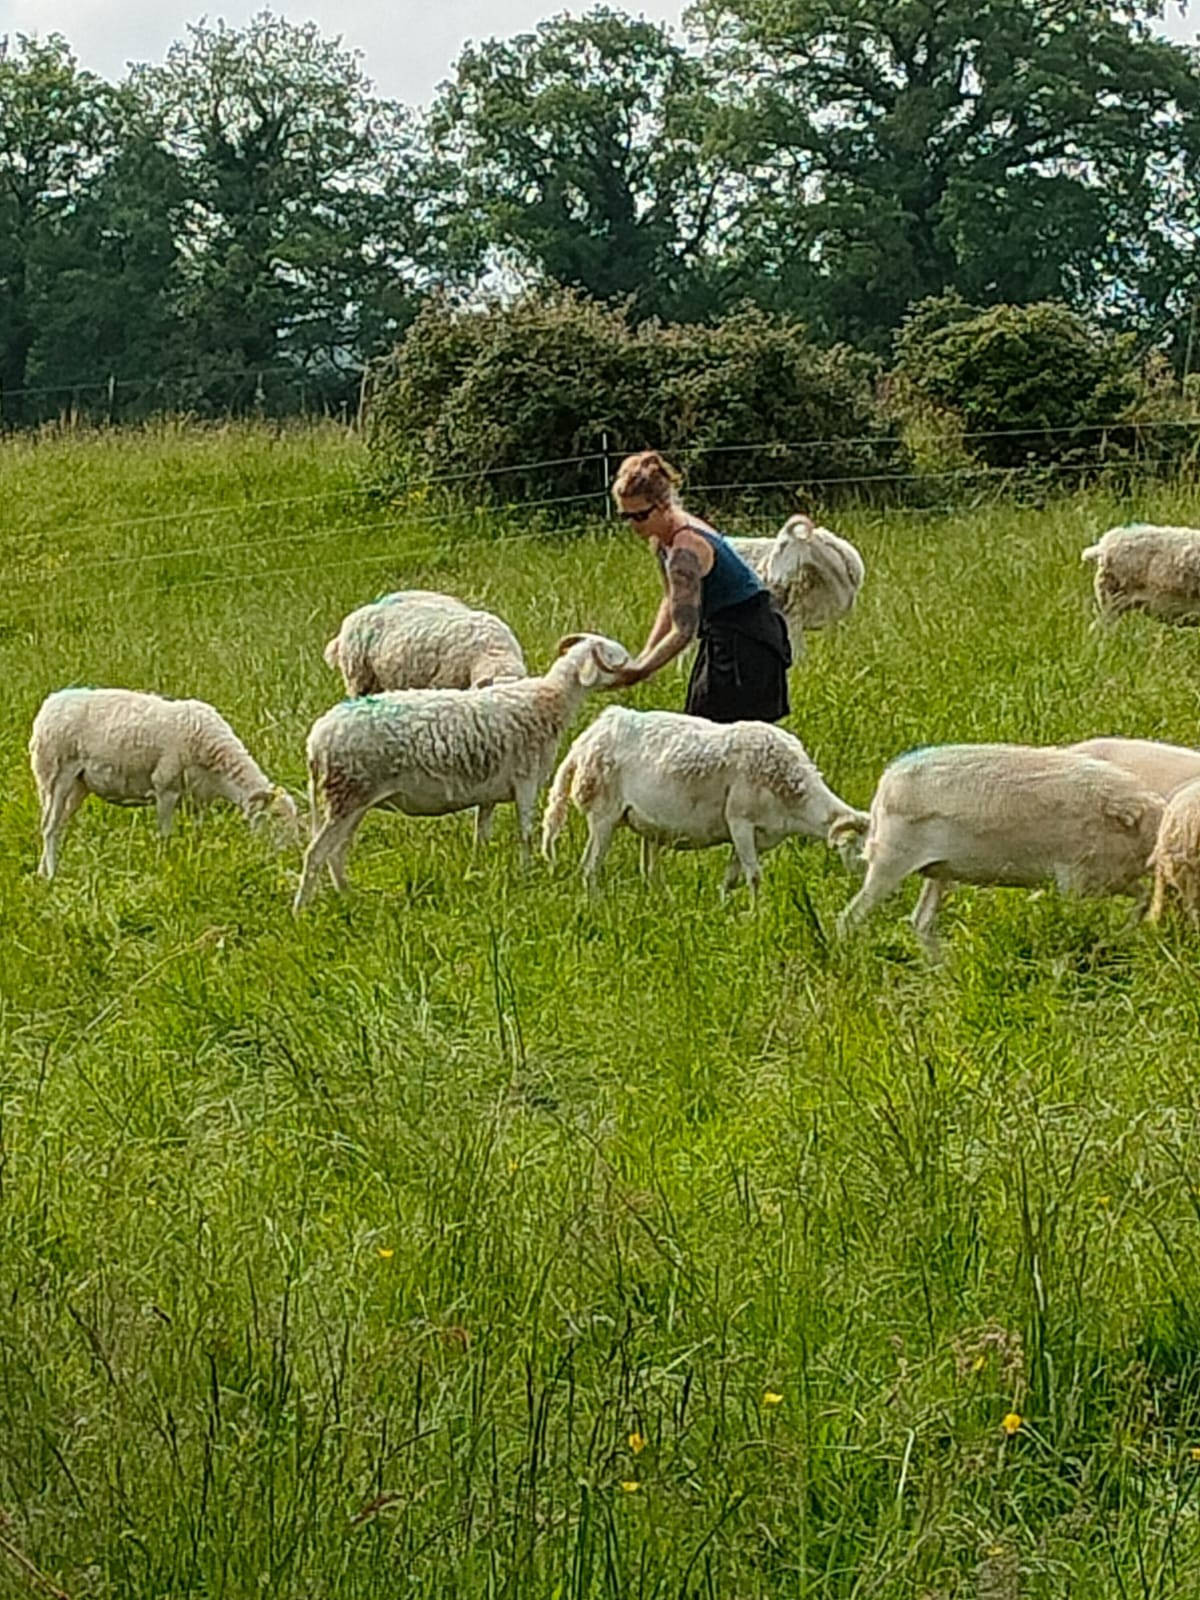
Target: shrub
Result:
[1032, 384]
[499, 404]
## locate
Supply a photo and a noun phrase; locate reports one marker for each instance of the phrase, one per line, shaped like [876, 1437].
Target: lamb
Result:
[692, 783]
[813, 575]
[1004, 814]
[140, 749]
[1144, 567]
[1176, 857]
[1161, 767]
[429, 752]
[417, 639]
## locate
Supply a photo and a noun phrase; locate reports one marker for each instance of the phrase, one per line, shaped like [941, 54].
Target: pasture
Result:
[467, 1238]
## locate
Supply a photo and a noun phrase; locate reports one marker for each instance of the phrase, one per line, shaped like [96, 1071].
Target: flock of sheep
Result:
[442, 716]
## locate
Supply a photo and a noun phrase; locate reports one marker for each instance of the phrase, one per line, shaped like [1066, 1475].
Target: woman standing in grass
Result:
[741, 666]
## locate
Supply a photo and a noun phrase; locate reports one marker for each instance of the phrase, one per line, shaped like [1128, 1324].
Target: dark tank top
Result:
[731, 580]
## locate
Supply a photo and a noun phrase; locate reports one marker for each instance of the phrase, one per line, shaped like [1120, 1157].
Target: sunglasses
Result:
[638, 516]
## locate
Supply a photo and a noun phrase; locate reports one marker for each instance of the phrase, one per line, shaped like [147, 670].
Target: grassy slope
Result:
[342, 1257]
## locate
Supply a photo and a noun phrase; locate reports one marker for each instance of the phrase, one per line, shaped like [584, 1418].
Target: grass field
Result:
[465, 1238]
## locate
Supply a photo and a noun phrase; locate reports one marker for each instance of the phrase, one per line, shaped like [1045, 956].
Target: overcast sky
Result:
[408, 46]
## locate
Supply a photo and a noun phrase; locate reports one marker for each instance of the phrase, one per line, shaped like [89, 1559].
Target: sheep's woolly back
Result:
[693, 748]
[1016, 785]
[464, 736]
[112, 724]
[814, 575]
[416, 639]
[1146, 557]
[466, 733]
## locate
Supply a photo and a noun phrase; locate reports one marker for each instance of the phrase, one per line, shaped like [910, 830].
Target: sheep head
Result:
[597, 658]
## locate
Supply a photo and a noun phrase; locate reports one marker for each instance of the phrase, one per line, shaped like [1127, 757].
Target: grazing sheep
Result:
[692, 783]
[813, 575]
[1004, 814]
[1158, 766]
[140, 749]
[432, 751]
[1143, 567]
[1176, 857]
[416, 639]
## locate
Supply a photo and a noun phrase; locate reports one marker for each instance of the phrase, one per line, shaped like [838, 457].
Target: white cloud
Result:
[408, 46]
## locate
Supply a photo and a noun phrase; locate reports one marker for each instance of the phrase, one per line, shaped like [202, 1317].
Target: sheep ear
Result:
[567, 640]
[331, 652]
[592, 669]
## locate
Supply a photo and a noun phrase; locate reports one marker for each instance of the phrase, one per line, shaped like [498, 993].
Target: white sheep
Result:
[140, 749]
[417, 639]
[1158, 766]
[429, 752]
[1145, 567]
[692, 783]
[1176, 857]
[1007, 815]
[814, 575]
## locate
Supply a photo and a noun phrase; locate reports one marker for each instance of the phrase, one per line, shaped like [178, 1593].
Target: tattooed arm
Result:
[678, 619]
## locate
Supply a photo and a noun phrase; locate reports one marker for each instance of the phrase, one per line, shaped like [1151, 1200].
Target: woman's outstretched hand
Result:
[624, 677]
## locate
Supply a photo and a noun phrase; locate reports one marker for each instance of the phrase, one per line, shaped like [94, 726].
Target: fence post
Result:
[112, 390]
[362, 402]
[608, 510]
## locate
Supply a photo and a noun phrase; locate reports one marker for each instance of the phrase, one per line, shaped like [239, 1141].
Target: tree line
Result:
[248, 224]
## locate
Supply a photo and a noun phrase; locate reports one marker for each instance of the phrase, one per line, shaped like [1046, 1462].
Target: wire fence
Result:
[49, 587]
[421, 486]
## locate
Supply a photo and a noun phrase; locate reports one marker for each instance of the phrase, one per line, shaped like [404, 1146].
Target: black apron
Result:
[740, 671]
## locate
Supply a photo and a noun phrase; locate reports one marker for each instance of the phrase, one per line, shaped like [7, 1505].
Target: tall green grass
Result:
[468, 1238]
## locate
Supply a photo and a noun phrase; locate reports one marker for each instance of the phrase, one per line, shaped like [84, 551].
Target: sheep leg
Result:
[647, 856]
[733, 874]
[883, 878]
[601, 827]
[165, 801]
[525, 796]
[1158, 903]
[484, 817]
[337, 856]
[330, 842]
[60, 805]
[933, 890]
[741, 836]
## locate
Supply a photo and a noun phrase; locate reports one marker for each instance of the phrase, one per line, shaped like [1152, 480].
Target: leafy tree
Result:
[1013, 151]
[299, 225]
[584, 156]
[54, 136]
[520, 402]
[1026, 383]
[113, 310]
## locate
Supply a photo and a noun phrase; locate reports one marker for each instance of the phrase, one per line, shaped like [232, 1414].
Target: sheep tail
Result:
[558, 804]
[332, 652]
[1092, 553]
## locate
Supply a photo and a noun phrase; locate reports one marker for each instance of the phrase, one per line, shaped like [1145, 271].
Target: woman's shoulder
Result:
[701, 540]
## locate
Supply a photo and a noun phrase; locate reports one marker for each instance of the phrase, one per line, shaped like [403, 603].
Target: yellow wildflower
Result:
[385, 1253]
[1012, 1422]
[980, 1362]
[630, 1485]
[636, 1443]
[772, 1399]
[1196, 1452]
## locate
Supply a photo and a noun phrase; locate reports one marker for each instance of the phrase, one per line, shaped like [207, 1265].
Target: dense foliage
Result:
[1023, 383]
[525, 402]
[246, 224]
